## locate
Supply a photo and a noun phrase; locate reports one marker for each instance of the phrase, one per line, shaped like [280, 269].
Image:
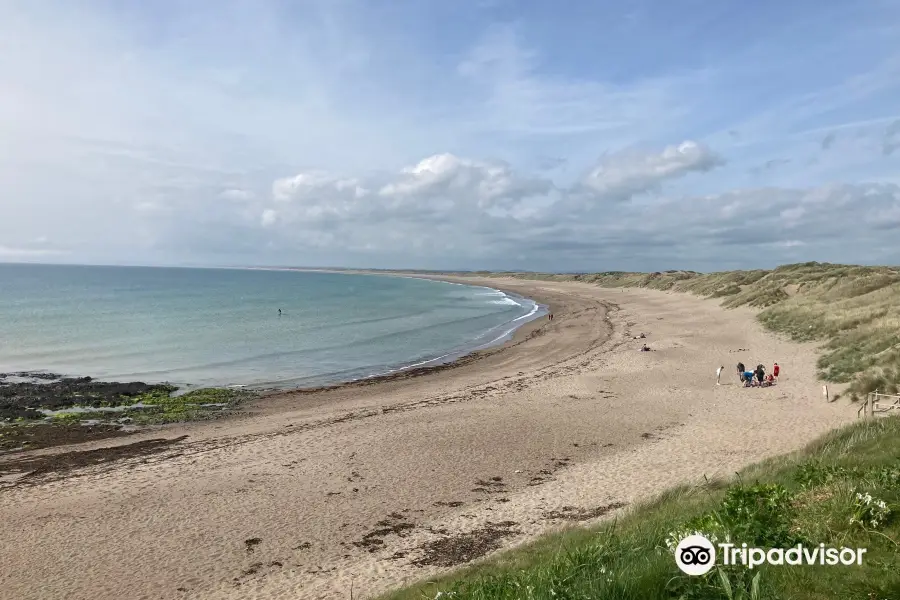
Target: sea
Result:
[222, 327]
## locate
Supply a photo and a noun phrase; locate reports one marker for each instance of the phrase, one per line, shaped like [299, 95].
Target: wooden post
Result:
[873, 398]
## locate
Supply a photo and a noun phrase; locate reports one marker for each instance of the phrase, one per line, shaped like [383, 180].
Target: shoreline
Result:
[458, 358]
[401, 371]
[453, 359]
[101, 423]
[308, 494]
[520, 334]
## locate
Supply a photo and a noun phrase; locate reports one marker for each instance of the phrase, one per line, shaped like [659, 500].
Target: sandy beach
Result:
[364, 487]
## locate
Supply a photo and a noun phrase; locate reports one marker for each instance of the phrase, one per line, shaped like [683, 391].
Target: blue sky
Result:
[477, 134]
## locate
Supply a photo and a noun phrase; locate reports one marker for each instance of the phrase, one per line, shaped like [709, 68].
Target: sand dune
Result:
[372, 486]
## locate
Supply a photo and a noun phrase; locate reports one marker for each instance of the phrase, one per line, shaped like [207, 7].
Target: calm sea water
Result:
[221, 326]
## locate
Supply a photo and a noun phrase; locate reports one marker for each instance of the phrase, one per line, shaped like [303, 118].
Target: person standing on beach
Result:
[740, 369]
[776, 370]
[719, 374]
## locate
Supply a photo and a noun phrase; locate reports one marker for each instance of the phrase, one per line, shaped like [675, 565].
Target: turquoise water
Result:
[221, 326]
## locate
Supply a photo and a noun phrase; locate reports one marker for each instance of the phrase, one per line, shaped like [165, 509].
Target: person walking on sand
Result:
[719, 375]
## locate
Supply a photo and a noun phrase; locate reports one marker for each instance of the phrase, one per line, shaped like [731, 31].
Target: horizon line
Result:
[412, 270]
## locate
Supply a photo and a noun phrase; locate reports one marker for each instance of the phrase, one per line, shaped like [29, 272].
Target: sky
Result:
[586, 135]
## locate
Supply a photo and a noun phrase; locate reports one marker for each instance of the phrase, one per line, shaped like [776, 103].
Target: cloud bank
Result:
[449, 211]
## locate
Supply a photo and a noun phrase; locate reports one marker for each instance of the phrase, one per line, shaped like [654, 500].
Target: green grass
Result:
[854, 311]
[807, 497]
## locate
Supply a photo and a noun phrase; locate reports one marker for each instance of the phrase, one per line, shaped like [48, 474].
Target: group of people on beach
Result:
[755, 378]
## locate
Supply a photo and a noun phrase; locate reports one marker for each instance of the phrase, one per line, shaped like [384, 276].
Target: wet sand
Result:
[374, 484]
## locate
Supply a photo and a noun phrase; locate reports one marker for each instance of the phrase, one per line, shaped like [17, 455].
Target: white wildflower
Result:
[869, 511]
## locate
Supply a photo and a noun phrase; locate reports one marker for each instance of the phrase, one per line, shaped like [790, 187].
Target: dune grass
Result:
[817, 495]
[854, 311]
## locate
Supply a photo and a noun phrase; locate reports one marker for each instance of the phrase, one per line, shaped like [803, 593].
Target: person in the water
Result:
[279, 312]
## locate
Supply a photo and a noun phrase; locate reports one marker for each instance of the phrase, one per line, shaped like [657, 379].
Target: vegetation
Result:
[843, 491]
[110, 416]
[854, 311]
[197, 404]
[155, 406]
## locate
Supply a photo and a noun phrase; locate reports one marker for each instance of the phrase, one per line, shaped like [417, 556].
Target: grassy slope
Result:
[854, 310]
[807, 497]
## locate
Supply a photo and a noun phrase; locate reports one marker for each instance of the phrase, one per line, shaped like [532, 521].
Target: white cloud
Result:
[310, 184]
[447, 205]
[440, 190]
[268, 217]
[485, 185]
[627, 174]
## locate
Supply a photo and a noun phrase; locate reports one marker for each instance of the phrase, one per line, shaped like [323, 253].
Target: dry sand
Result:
[373, 486]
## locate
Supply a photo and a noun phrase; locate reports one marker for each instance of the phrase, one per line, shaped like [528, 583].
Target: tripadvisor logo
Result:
[696, 555]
